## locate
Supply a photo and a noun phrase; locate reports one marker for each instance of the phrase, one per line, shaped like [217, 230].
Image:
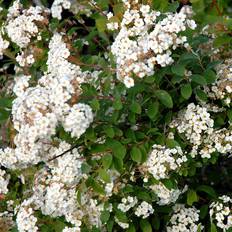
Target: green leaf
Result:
[117, 148]
[135, 108]
[95, 185]
[117, 104]
[85, 168]
[109, 131]
[186, 91]
[103, 174]
[107, 161]
[110, 225]
[156, 222]
[131, 228]
[191, 197]
[198, 79]
[6, 102]
[95, 104]
[118, 164]
[203, 211]
[136, 154]
[101, 24]
[207, 189]
[229, 114]
[178, 69]
[201, 95]
[164, 98]
[145, 226]
[213, 227]
[210, 76]
[153, 109]
[105, 215]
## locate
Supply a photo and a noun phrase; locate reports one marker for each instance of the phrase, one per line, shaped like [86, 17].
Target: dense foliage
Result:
[115, 115]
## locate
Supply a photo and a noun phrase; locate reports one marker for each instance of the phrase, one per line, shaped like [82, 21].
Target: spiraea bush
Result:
[115, 116]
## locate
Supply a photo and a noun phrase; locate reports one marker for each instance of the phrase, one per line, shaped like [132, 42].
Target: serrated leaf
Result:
[178, 69]
[117, 104]
[203, 211]
[191, 197]
[210, 76]
[101, 24]
[107, 161]
[103, 174]
[207, 189]
[164, 98]
[135, 108]
[136, 154]
[95, 186]
[198, 79]
[105, 215]
[186, 91]
[109, 131]
[118, 164]
[153, 109]
[131, 228]
[201, 95]
[145, 226]
[117, 148]
[213, 227]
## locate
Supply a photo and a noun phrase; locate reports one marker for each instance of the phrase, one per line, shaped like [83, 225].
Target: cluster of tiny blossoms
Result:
[184, 219]
[3, 45]
[26, 221]
[144, 210]
[221, 212]
[146, 40]
[58, 6]
[196, 124]
[166, 196]
[127, 203]
[4, 180]
[21, 23]
[163, 160]
[222, 88]
[38, 110]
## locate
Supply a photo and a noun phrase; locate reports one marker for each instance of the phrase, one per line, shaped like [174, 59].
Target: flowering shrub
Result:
[115, 116]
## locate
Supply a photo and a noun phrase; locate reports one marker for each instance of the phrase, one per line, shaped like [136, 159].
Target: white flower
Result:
[144, 210]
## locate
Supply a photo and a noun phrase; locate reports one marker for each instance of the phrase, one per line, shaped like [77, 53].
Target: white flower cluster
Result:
[111, 25]
[219, 141]
[197, 126]
[144, 210]
[4, 180]
[4, 44]
[166, 196]
[55, 194]
[222, 88]
[184, 219]
[163, 160]
[221, 212]
[58, 6]
[25, 219]
[38, 110]
[78, 119]
[21, 23]
[67, 168]
[21, 84]
[145, 40]
[25, 60]
[194, 123]
[127, 203]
